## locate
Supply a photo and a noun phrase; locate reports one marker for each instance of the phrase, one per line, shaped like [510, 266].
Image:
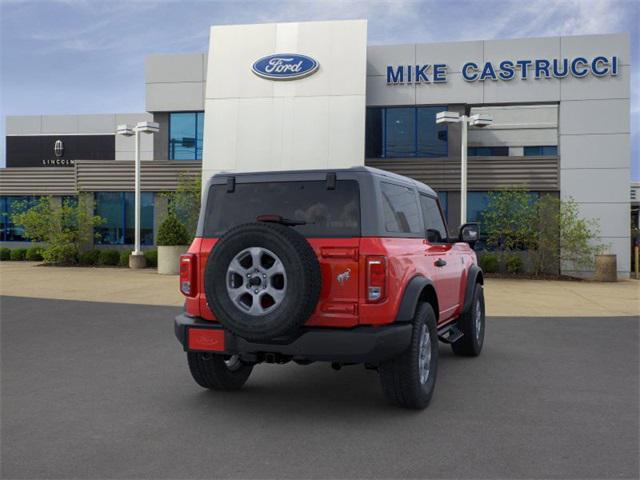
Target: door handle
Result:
[440, 263]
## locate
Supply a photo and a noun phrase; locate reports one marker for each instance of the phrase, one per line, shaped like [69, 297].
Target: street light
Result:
[477, 120]
[136, 259]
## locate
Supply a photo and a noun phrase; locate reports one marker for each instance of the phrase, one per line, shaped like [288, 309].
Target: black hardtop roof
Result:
[291, 174]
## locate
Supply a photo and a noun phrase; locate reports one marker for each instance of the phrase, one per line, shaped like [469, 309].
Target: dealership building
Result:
[560, 108]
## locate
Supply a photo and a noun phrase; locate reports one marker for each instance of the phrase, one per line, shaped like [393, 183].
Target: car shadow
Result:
[316, 389]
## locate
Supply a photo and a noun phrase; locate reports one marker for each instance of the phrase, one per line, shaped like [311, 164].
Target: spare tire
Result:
[262, 280]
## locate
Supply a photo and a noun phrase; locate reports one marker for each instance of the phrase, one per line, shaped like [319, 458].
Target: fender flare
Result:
[474, 276]
[410, 298]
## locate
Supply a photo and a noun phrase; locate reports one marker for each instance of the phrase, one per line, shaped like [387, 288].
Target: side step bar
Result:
[450, 333]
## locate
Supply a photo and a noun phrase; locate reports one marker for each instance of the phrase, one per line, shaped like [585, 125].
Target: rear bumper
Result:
[363, 344]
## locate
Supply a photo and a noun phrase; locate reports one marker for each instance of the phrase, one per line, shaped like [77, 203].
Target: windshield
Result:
[325, 213]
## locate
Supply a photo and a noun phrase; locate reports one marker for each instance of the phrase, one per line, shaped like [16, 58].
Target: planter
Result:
[606, 268]
[169, 259]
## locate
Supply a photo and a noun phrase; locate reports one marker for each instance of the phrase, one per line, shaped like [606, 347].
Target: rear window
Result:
[327, 213]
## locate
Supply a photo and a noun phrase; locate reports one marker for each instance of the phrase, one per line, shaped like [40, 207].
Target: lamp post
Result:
[136, 259]
[477, 120]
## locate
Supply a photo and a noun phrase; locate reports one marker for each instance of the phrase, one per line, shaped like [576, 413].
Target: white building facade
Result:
[560, 108]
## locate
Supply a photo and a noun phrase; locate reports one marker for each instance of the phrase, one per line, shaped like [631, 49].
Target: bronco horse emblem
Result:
[344, 276]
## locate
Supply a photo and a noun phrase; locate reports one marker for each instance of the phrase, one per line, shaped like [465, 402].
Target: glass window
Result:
[488, 151]
[185, 135]
[477, 203]
[400, 209]
[10, 232]
[433, 222]
[374, 136]
[444, 203]
[541, 151]
[405, 132]
[432, 137]
[325, 212]
[146, 218]
[400, 132]
[117, 209]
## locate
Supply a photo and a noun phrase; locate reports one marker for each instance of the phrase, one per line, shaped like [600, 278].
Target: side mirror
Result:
[469, 233]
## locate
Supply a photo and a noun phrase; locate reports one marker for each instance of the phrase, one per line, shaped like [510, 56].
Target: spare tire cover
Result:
[262, 280]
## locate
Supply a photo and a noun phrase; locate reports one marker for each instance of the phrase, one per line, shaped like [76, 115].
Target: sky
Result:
[87, 56]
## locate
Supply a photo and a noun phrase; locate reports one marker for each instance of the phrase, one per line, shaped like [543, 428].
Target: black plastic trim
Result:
[410, 298]
[363, 344]
[472, 279]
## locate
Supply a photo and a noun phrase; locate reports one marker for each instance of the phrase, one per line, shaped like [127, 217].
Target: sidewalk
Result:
[504, 297]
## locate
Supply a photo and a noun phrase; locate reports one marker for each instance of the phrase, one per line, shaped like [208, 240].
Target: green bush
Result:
[513, 263]
[172, 232]
[489, 262]
[90, 257]
[34, 254]
[18, 254]
[63, 227]
[5, 254]
[124, 258]
[152, 258]
[109, 257]
[61, 254]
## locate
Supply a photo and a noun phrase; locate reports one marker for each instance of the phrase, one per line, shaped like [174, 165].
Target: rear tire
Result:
[218, 372]
[409, 379]
[472, 324]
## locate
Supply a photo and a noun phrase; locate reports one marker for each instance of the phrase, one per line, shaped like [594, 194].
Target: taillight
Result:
[376, 279]
[188, 274]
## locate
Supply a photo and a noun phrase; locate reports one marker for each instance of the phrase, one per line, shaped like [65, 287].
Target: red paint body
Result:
[344, 304]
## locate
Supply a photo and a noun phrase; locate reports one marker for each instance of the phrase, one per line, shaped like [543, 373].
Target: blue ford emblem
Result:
[285, 66]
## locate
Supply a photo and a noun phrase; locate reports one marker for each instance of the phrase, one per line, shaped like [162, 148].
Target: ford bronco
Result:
[346, 266]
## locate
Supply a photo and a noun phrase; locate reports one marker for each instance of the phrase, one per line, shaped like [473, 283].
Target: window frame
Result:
[122, 227]
[416, 129]
[382, 227]
[447, 239]
[196, 114]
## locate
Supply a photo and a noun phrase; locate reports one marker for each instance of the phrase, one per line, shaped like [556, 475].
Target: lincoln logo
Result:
[285, 66]
[58, 148]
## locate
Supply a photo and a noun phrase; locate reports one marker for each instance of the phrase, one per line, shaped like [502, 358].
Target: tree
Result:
[64, 228]
[509, 220]
[550, 229]
[578, 237]
[184, 203]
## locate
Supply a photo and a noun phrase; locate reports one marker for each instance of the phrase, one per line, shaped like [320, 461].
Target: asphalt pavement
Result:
[102, 390]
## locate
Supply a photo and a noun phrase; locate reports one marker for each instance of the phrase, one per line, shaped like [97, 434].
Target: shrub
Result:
[34, 254]
[5, 254]
[64, 227]
[185, 201]
[90, 257]
[513, 263]
[124, 258]
[18, 254]
[172, 232]
[489, 262]
[152, 258]
[109, 257]
[61, 254]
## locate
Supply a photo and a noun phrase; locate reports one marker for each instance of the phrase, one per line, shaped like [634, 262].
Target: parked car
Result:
[344, 266]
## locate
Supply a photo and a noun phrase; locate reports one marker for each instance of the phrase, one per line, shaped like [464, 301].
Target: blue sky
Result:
[84, 56]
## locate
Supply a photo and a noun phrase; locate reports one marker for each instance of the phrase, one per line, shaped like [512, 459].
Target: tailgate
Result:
[338, 304]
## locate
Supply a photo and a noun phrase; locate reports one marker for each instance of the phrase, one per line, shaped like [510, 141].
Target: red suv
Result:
[345, 266]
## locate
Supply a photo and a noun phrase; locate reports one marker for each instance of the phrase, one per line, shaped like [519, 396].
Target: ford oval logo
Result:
[285, 66]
